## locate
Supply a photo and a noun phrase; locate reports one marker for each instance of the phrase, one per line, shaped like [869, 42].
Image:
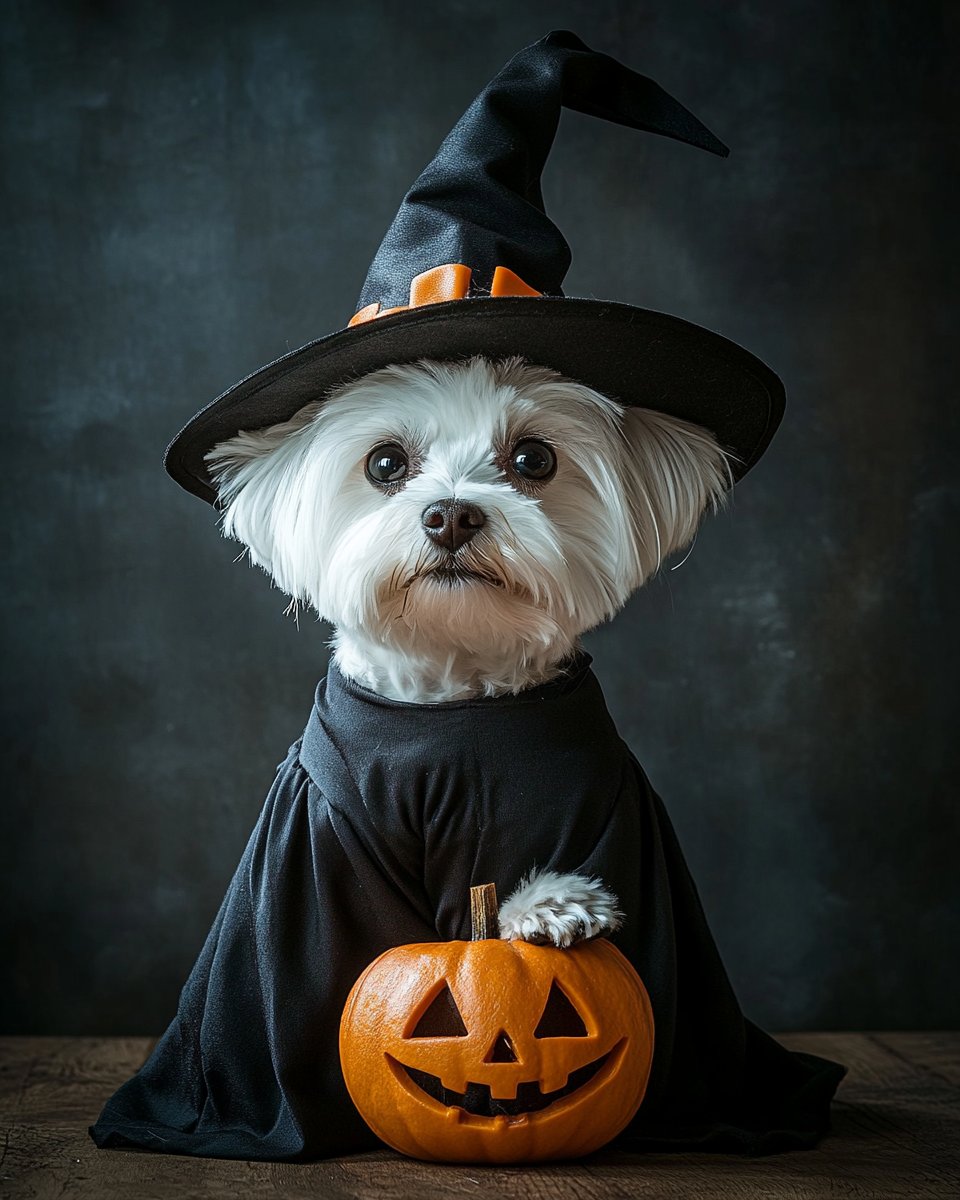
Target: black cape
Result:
[377, 823]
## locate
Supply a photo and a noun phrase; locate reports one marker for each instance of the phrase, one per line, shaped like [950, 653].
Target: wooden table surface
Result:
[896, 1134]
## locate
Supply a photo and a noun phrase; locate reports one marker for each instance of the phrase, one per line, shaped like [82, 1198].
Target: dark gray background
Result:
[192, 188]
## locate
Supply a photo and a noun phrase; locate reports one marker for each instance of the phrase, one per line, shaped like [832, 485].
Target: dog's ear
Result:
[676, 471]
[254, 476]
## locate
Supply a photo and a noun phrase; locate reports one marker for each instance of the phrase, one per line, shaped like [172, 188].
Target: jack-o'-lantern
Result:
[497, 1051]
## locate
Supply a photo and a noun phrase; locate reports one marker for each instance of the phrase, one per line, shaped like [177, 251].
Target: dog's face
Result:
[465, 521]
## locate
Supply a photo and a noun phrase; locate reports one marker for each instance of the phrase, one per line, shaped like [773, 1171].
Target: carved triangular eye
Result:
[502, 1049]
[560, 1018]
[442, 1018]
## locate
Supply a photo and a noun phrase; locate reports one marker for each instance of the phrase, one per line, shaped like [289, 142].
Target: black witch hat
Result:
[472, 265]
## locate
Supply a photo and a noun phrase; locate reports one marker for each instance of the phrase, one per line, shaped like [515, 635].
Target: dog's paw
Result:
[548, 907]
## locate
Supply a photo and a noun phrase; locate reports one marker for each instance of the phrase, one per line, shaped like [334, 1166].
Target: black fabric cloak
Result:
[377, 823]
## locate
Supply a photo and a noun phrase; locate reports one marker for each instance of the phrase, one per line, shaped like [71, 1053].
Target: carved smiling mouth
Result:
[477, 1100]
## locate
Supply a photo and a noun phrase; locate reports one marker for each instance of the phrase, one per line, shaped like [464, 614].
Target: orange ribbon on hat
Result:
[449, 282]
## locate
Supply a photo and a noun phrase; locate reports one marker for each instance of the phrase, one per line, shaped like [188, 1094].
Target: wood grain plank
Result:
[896, 1137]
[936, 1052]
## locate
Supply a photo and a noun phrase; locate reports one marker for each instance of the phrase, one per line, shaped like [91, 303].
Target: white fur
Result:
[550, 563]
[562, 909]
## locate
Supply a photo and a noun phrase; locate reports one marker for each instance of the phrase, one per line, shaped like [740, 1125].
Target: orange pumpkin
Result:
[496, 1051]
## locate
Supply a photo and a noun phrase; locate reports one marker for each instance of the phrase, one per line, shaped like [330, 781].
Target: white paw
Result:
[562, 909]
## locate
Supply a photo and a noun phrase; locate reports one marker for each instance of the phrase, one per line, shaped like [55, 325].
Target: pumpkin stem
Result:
[484, 920]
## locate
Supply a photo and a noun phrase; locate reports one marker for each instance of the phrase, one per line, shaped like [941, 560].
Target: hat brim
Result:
[635, 356]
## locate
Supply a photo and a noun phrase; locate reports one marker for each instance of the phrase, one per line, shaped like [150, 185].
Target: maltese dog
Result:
[461, 525]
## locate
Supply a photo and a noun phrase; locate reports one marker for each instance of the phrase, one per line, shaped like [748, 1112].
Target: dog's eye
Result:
[534, 460]
[387, 464]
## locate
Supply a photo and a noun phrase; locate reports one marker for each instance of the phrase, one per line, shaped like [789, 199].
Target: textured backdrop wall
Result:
[192, 188]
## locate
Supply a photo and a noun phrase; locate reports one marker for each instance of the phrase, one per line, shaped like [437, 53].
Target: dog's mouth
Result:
[478, 1102]
[456, 574]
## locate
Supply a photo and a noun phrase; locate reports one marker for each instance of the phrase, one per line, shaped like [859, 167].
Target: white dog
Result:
[461, 526]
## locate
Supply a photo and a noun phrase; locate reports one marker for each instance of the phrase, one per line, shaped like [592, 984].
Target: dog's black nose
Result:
[452, 523]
